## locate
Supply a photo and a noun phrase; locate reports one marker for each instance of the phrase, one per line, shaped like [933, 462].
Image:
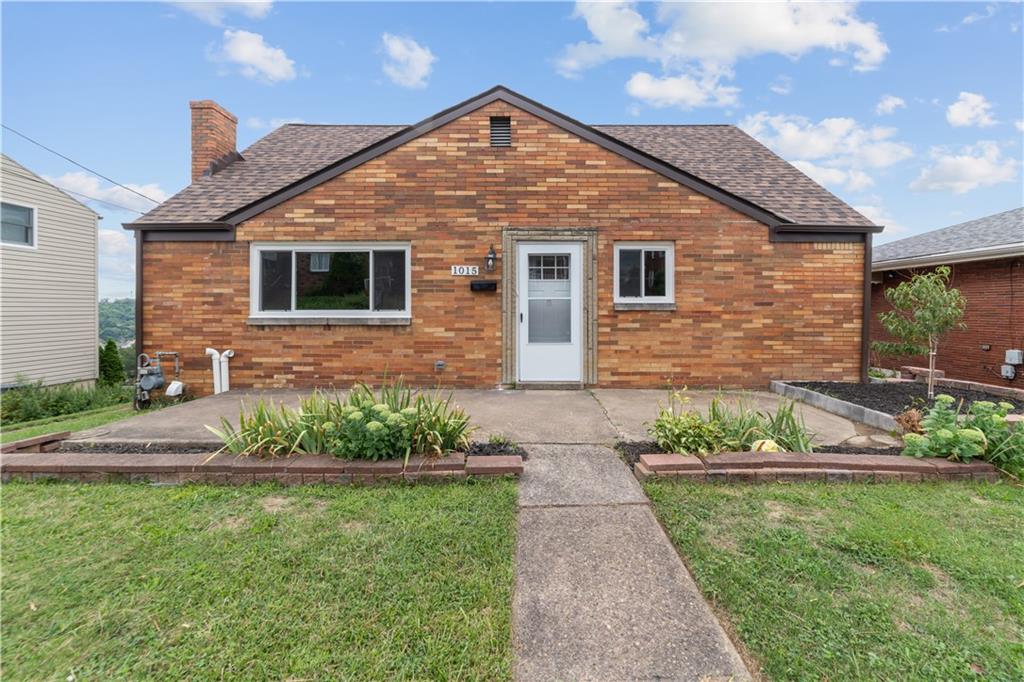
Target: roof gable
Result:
[728, 166]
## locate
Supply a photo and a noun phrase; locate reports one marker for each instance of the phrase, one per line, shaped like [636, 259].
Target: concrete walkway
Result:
[599, 416]
[600, 592]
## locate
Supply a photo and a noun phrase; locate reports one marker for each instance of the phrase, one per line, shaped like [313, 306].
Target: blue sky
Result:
[911, 112]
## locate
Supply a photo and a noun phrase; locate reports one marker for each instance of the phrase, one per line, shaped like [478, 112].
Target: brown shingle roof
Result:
[722, 155]
[727, 157]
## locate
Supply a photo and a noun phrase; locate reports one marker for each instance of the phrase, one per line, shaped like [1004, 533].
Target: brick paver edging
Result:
[763, 467]
[174, 468]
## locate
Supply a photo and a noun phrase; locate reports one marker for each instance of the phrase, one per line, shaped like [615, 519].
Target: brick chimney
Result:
[214, 134]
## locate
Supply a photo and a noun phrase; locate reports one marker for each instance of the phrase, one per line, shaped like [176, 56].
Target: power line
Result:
[53, 151]
[71, 191]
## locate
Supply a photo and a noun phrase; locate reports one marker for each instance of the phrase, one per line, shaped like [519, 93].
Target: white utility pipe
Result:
[225, 384]
[212, 352]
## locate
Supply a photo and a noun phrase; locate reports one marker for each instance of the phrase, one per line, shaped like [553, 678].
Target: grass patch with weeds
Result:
[257, 582]
[854, 582]
[72, 422]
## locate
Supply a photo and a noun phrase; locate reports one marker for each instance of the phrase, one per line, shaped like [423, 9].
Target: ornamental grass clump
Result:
[364, 425]
[725, 429]
[982, 432]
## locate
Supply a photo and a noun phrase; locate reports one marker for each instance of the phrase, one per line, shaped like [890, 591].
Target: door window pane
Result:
[654, 273]
[630, 273]
[275, 280]
[550, 320]
[389, 280]
[16, 225]
[344, 286]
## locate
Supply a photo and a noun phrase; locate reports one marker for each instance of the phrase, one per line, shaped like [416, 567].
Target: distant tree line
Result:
[117, 324]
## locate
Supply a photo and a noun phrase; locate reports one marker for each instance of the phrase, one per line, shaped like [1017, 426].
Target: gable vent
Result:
[501, 131]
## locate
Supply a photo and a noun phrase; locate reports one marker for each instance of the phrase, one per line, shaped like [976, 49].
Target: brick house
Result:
[500, 242]
[986, 257]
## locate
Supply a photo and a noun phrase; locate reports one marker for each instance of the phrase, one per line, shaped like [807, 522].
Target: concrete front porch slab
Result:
[602, 595]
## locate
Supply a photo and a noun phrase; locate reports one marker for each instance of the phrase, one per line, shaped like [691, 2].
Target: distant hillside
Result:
[117, 320]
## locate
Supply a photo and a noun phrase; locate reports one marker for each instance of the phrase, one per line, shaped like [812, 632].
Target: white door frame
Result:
[547, 362]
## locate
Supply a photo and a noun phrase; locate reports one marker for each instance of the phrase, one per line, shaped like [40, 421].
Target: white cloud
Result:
[877, 214]
[839, 140]
[783, 85]
[1019, 123]
[974, 17]
[836, 152]
[680, 91]
[79, 183]
[408, 63]
[971, 109]
[701, 42]
[978, 165]
[214, 13]
[255, 59]
[257, 123]
[888, 104]
[117, 253]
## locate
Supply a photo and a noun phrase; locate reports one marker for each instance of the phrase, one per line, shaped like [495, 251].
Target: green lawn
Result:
[72, 422]
[857, 582]
[257, 582]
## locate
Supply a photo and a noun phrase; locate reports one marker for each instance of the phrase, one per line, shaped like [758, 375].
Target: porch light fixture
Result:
[490, 259]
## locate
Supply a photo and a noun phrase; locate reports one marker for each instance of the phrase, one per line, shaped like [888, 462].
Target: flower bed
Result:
[390, 424]
[894, 397]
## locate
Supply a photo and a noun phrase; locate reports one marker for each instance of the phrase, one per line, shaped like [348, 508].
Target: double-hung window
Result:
[312, 279]
[644, 272]
[18, 226]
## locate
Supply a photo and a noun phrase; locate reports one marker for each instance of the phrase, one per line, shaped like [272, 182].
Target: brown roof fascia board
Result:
[550, 115]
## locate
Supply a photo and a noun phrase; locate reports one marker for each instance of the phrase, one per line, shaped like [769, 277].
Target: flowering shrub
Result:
[364, 425]
[982, 432]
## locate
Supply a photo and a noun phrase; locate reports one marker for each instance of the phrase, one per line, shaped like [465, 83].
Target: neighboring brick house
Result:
[986, 257]
[633, 256]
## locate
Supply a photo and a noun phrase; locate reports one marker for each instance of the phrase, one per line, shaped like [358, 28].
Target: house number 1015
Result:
[465, 270]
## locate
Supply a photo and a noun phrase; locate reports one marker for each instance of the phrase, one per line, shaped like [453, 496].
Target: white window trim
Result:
[670, 270]
[35, 228]
[256, 248]
[327, 269]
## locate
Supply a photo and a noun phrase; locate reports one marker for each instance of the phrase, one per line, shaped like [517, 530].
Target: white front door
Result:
[550, 310]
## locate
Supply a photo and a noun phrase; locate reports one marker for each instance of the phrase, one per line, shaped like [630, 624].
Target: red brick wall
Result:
[214, 134]
[994, 291]
[748, 310]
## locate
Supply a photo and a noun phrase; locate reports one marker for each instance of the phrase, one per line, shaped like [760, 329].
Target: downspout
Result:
[225, 384]
[138, 292]
[212, 352]
[865, 327]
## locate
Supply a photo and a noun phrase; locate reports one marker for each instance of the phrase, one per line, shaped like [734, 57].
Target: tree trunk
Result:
[932, 350]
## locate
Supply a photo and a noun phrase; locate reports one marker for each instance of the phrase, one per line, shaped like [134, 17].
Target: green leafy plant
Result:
[501, 440]
[983, 431]
[678, 429]
[924, 309]
[33, 401]
[391, 423]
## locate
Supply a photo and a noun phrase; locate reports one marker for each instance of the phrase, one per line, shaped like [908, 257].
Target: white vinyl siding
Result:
[49, 324]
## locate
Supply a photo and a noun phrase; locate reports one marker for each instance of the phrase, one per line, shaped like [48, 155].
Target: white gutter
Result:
[225, 384]
[212, 352]
[965, 256]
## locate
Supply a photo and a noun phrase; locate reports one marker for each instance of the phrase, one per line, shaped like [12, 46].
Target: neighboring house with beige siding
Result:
[48, 282]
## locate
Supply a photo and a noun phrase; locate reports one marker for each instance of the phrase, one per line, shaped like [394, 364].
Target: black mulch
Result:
[496, 449]
[895, 397]
[138, 448]
[630, 451]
